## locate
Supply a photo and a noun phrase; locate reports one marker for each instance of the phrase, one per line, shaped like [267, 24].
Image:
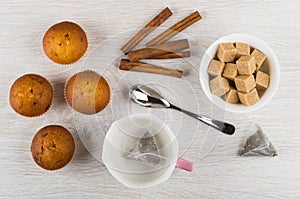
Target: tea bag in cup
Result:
[145, 150]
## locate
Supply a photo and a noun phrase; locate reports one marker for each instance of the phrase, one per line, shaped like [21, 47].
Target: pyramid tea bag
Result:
[145, 150]
[257, 143]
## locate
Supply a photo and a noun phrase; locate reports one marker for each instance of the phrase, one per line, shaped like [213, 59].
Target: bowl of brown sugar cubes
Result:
[239, 73]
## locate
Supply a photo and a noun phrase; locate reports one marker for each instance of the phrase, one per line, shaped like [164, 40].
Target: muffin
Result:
[65, 42]
[87, 92]
[31, 95]
[52, 147]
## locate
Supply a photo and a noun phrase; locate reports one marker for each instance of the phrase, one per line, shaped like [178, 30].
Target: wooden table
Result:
[219, 172]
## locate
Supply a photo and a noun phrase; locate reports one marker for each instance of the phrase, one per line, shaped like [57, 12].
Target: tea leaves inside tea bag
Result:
[257, 143]
[145, 150]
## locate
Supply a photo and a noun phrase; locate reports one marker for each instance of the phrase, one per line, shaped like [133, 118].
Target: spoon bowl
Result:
[147, 97]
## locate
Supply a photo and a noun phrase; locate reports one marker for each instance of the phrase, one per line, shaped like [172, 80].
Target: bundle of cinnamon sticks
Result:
[158, 48]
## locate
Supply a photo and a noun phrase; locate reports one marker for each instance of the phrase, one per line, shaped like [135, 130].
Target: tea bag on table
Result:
[257, 143]
[145, 150]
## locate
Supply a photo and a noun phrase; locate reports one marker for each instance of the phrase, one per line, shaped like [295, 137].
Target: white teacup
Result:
[123, 134]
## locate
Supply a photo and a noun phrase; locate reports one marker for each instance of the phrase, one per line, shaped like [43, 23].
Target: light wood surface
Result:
[218, 172]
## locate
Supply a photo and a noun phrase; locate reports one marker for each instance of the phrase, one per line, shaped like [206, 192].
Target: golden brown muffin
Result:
[65, 42]
[87, 92]
[31, 95]
[52, 147]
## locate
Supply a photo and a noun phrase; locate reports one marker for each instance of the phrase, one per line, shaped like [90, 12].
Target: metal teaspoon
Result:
[148, 97]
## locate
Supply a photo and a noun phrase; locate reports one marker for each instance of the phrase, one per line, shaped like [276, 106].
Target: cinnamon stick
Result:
[172, 55]
[147, 29]
[138, 66]
[145, 53]
[175, 29]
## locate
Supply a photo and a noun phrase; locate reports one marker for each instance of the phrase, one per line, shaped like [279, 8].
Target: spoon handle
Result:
[216, 124]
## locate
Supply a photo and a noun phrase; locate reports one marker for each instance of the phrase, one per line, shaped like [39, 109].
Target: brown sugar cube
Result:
[230, 71]
[232, 96]
[226, 52]
[219, 86]
[250, 98]
[244, 83]
[259, 58]
[262, 80]
[246, 65]
[242, 49]
[215, 68]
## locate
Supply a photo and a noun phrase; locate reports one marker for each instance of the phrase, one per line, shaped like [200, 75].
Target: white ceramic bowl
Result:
[120, 138]
[271, 62]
